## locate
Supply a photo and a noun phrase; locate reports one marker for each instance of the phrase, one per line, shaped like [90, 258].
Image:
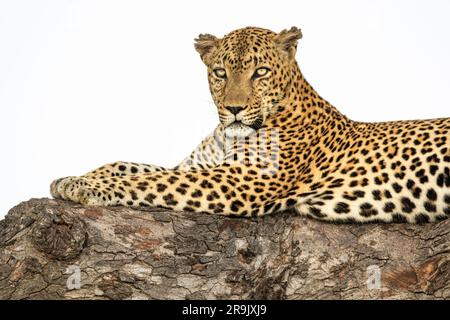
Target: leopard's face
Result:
[248, 73]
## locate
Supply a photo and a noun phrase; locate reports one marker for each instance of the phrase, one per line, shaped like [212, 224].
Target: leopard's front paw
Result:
[54, 188]
[77, 189]
[58, 187]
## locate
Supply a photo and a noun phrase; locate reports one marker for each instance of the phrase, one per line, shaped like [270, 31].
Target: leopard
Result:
[279, 146]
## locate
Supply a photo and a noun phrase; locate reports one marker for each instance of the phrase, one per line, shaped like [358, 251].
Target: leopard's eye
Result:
[220, 73]
[261, 72]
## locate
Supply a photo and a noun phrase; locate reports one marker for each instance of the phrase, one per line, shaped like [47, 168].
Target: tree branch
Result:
[46, 246]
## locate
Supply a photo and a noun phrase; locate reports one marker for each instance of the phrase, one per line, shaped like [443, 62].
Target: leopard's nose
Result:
[234, 109]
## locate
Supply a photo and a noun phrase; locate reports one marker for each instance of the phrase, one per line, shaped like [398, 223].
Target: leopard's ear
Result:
[287, 41]
[205, 45]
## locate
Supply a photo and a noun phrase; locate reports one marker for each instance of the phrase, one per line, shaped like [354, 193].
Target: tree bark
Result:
[52, 249]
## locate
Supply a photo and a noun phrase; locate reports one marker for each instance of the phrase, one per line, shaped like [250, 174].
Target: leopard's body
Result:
[280, 146]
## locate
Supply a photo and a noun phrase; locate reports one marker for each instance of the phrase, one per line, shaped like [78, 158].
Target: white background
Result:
[83, 83]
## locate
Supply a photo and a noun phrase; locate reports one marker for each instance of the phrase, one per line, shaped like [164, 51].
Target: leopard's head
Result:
[249, 72]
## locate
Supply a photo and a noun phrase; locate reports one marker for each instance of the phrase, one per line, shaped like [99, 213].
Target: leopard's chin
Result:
[238, 130]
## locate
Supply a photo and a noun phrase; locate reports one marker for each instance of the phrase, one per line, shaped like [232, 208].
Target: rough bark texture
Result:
[124, 254]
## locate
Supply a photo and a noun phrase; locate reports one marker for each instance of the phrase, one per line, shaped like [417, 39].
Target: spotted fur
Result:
[280, 146]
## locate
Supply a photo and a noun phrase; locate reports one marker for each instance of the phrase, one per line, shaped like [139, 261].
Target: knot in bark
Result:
[60, 235]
